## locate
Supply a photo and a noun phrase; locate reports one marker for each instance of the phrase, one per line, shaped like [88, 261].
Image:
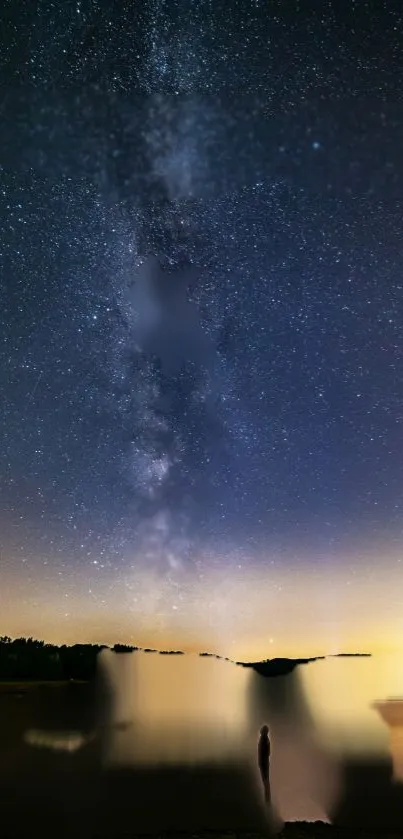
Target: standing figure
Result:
[263, 753]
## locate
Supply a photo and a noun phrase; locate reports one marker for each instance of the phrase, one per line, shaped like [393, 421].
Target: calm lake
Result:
[150, 712]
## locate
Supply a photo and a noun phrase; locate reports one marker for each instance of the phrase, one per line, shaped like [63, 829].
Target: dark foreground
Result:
[74, 802]
[45, 793]
[293, 830]
[119, 804]
[302, 830]
[319, 830]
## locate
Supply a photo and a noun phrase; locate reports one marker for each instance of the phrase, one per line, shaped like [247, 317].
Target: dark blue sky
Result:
[258, 153]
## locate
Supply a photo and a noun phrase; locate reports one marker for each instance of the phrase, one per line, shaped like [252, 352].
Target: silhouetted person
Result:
[263, 755]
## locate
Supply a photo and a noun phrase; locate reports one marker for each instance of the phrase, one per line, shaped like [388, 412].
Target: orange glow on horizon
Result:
[248, 614]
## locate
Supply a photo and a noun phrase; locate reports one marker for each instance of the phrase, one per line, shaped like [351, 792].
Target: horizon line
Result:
[202, 653]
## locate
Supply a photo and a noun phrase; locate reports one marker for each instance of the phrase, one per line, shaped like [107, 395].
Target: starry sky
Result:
[201, 324]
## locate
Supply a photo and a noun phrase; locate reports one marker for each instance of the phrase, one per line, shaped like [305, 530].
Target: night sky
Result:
[201, 324]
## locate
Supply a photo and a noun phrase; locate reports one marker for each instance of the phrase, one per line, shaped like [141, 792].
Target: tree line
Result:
[28, 658]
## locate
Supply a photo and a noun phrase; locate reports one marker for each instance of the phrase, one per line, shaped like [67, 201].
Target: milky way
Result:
[201, 304]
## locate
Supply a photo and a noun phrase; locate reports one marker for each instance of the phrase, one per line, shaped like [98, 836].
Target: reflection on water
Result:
[189, 719]
[341, 693]
[191, 709]
[163, 711]
[58, 741]
[185, 709]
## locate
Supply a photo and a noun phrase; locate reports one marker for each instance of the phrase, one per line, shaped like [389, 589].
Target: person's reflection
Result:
[263, 752]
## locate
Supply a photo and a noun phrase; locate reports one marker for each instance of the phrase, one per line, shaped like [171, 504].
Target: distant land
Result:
[30, 659]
